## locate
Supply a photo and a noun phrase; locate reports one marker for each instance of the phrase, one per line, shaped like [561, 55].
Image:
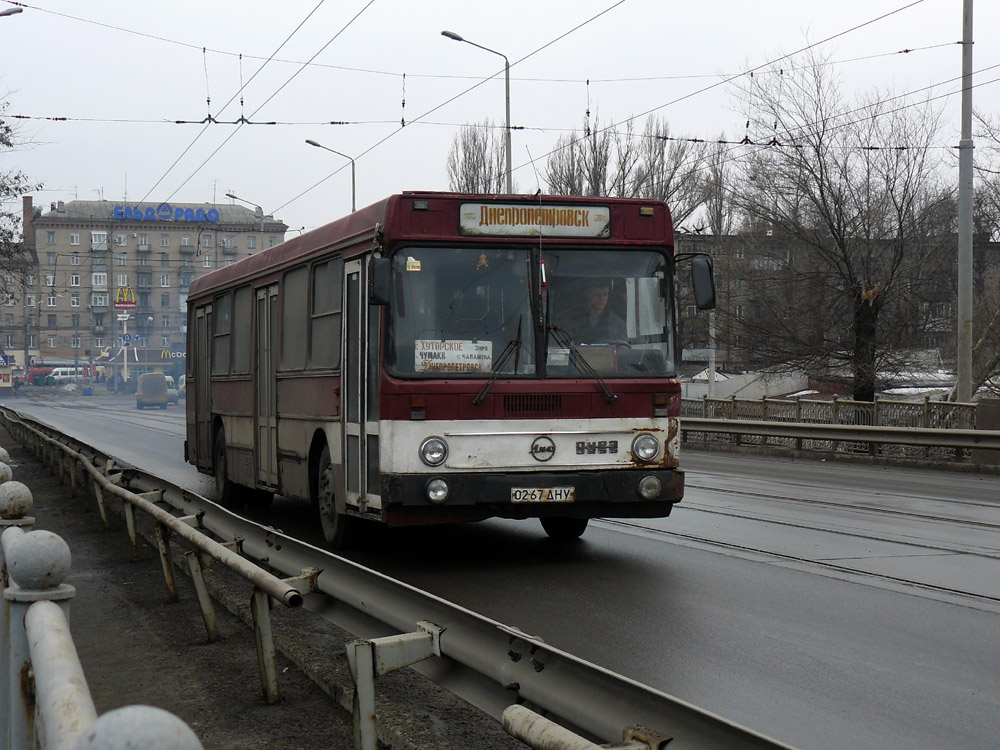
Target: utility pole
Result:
[964, 392]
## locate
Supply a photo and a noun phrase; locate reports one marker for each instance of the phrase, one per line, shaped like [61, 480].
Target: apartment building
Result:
[81, 253]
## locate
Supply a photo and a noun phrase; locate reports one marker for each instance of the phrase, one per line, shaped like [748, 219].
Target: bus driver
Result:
[598, 324]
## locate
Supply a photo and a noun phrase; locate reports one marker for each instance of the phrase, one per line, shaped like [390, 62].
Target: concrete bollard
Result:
[37, 564]
[143, 727]
[5, 473]
[15, 502]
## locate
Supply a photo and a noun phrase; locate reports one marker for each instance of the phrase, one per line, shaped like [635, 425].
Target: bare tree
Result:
[845, 193]
[477, 160]
[13, 184]
[616, 161]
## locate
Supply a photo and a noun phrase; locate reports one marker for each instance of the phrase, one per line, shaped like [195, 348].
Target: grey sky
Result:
[124, 90]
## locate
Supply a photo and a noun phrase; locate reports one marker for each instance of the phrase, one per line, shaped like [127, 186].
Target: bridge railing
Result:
[864, 421]
[44, 698]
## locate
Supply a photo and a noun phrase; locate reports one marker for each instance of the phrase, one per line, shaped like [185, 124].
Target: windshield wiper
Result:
[514, 345]
[563, 339]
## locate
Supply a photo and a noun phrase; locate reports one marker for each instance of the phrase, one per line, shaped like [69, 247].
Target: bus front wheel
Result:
[334, 524]
[560, 527]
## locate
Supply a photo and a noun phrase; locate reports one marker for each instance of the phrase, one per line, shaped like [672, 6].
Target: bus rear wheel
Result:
[562, 528]
[334, 524]
[226, 492]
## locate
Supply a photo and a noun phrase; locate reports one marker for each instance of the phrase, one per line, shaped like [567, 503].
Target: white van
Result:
[63, 375]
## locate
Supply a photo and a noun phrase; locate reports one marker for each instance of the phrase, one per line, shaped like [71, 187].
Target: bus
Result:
[441, 357]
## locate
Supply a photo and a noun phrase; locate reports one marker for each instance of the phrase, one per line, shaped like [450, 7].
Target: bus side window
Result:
[294, 314]
[324, 329]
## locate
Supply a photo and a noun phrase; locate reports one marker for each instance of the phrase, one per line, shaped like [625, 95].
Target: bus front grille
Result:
[532, 403]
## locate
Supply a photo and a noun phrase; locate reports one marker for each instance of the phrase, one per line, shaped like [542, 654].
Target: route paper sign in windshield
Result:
[434, 355]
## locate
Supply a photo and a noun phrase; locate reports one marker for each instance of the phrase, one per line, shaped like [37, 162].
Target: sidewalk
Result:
[136, 646]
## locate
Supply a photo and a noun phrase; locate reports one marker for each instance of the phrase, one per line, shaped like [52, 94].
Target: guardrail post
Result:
[798, 418]
[38, 563]
[163, 543]
[260, 608]
[129, 510]
[201, 590]
[15, 502]
[377, 656]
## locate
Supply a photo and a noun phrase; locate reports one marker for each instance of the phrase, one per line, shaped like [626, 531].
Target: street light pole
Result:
[259, 211]
[311, 142]
[506, 70]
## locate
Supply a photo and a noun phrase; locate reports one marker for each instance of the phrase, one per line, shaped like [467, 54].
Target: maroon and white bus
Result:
[441, 357]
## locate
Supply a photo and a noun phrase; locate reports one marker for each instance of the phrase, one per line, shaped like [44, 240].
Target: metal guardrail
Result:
[44, 698]
[985, 439]
[501, 664]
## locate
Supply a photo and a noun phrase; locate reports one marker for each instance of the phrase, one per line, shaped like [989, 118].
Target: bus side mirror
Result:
[703, 281]
[379, 280]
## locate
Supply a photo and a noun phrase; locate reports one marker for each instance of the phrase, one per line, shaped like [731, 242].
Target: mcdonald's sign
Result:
[125, 298]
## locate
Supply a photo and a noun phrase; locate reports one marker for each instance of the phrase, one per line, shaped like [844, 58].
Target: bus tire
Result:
[334, 524]
[563, 528]
[226, 491]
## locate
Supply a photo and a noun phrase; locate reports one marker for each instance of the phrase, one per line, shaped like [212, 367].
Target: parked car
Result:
[172, 393]
[182, 386]
[151, 390]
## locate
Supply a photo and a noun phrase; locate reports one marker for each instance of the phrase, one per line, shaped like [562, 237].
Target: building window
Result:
[143, 260]
[98, 319]
[51, 300]
[50, 238]
[50, 258]
[121, 240]
[52, 321]
[166, 321]
[165, 341]
[32, 342]
[99, 279]
[185, 240]
[50, 279]
[251, 241]
[145, 279]
[9, 319]
[229, 262]
[74, 300]
[99, 342]
[9, 301]
[123, 279]
[272, 241]
[144, 239]
[226, 241]
[164, 279]
[122, 259]
[164, 259]
[164, 300]
[74, 279]
[31, 279]
[206, 240]
[99, 239]
[52, 342]
[74, 238]
[76, 320]
[29, 300]
[75, 341]
[164, 240]
[143, 299]
[99, 299]
[739, 311]
[75, 260]
[692, 311]
[207, 261]
[8, 341]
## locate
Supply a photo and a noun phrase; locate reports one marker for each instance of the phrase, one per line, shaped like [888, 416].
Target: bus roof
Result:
[428, 216]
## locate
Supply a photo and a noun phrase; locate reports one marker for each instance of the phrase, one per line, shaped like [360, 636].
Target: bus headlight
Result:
[645, 447]
[433, 451]
[649, 488]
[437, 490]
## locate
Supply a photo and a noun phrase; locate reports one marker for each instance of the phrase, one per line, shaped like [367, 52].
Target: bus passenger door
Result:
[203, 385]
[360, 391]
[266, 314]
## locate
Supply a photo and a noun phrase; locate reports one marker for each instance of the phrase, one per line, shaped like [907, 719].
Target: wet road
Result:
[819, 603]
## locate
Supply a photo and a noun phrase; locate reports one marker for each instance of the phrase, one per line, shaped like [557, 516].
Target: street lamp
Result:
[11, 11]
[327, 148]
[259, 211]
[506, 70]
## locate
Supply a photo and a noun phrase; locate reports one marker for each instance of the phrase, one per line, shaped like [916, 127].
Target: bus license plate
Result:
[542, 494]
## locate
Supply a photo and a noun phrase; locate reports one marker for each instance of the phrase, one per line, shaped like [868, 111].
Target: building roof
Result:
[105, 211]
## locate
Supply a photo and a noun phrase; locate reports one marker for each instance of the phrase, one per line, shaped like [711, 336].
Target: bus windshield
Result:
[476, 312]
